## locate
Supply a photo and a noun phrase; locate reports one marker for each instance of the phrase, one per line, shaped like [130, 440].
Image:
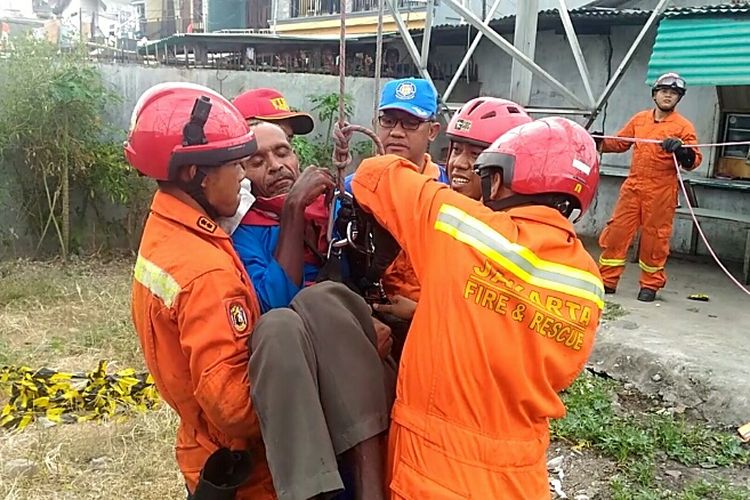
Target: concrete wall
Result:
[131, 81]
[554, 55]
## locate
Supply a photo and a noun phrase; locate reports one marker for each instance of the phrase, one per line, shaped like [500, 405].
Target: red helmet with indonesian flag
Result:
[176, 124]
[552, 161]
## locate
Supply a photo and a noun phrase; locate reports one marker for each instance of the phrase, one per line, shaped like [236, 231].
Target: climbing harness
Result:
[54, 397]
[685, 193]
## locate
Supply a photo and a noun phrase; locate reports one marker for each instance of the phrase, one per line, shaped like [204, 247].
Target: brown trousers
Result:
[318, 386]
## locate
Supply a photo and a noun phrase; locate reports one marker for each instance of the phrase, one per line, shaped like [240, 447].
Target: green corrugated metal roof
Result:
[706, 50]
[722, 9]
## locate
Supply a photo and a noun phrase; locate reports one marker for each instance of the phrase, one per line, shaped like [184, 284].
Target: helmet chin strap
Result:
[194, 189]
[192, 135]
[561, 203]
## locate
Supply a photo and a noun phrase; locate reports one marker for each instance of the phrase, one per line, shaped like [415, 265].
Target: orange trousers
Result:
[649, 204]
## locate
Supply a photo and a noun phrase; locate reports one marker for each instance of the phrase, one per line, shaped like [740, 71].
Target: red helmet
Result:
[484, 119]
[176, 124]
[544, 158]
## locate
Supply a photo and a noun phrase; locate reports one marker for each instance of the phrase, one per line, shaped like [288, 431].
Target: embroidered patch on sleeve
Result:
[238, 315]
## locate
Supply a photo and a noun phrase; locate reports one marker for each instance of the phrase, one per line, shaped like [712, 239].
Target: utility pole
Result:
[524, 39]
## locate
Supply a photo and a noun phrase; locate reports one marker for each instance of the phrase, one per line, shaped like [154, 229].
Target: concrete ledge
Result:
[676, 378]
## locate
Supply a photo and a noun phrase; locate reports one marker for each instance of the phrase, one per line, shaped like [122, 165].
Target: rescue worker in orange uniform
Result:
[509, 307]
[267, 404]
[648, 197]
[472, 129]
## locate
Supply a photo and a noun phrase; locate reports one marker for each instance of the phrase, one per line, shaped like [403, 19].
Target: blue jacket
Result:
[256, 246]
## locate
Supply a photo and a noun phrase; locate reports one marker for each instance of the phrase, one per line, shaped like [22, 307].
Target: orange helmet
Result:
[176, 124]
[484, 119]
[552, 161]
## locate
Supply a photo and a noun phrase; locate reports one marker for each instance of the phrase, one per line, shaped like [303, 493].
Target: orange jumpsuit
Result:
[399, 278]
[648, 199]
[509, 308]
[194, 307]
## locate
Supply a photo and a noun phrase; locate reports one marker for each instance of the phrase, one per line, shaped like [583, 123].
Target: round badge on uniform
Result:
[238, 316]
[406, 91]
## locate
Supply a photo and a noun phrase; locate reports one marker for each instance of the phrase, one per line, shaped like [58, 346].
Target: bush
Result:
[52, 131]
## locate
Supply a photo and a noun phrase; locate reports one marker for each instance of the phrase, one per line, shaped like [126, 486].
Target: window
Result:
[312, 8]
[736, 129]
[732, 161]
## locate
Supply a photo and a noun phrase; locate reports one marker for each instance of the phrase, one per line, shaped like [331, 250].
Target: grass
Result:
[68, 318]
[612, 311]
[133, 458]
[638, 439]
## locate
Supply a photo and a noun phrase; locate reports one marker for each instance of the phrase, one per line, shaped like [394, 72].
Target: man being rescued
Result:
[281, 240]
[263, 410]
[648, 197]
[504, 327]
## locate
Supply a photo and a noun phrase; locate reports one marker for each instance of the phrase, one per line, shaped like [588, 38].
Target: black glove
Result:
[671, 144]
[597, 140]
[222, 475]
[685, 156]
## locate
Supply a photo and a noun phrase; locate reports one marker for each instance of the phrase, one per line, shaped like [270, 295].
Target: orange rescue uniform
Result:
[399, 278]
[509, 307]
[194, 307]
[648, 199]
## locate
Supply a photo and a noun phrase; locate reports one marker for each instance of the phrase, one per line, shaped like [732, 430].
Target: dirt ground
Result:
[70, 317]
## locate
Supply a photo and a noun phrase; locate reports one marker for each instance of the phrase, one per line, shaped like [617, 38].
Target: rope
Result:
[342, 131]
[685, 193]
[338, 154]
[378, 65]
[700, 230]
[657, 141]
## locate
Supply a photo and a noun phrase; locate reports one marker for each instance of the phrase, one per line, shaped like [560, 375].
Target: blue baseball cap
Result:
[416, 96]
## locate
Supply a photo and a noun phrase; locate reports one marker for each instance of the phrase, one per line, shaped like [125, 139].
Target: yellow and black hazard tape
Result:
[59, 397]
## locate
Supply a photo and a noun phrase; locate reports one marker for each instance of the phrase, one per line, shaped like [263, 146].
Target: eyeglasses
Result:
[387, 121]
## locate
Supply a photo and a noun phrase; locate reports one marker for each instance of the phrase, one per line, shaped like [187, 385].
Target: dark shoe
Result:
[609, 290]
[646, 295]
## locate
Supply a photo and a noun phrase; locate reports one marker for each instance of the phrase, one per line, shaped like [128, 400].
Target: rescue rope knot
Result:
[342, 157]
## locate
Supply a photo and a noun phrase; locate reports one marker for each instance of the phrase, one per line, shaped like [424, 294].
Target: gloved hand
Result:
[685, 156]
[671, 144]
[597, 140]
